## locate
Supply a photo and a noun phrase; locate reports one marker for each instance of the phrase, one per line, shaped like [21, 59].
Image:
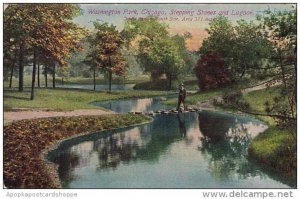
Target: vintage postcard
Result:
[150, 96]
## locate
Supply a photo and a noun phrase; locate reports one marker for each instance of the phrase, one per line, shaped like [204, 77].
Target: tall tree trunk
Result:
[53, 76]
[11, 75]
[38, 75]
[62, 80]
[94, 75]
[244, 71]
[12, 69]
[110, 74]
[170, 82]
[33, 75]
[46, 76]
[21, 68]
[109, 79]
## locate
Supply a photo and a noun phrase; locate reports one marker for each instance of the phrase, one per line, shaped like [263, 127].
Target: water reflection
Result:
[67, 162]
[99, 87]
[225, 142]
[133, 105]
[117, 148]
[181, 124]
[203, 150]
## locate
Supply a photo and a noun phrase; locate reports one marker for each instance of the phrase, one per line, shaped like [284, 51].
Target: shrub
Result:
[211, 71]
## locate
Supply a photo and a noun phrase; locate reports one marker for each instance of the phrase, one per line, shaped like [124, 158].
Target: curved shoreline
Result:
[52, 168]
[28, 141]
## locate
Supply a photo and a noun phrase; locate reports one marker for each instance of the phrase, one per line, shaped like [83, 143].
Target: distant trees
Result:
[156, 51]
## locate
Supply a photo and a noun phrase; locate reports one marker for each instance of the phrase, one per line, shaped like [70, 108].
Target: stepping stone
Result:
[159, 112]
[137, 112]
[150, 113]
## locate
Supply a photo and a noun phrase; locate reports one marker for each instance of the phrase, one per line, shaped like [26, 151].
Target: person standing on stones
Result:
[181, 96]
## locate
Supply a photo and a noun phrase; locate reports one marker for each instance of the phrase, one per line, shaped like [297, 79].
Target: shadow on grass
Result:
[15, 97]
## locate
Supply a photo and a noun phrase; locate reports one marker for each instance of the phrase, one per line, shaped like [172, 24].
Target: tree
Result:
[221, 37]
[105, 51]
[212, 72]
[46, 31]
[166, 55]
[140, 37]
[280, 29]
[243, 47]
[249, 50]
[10, 62]
[156, 51]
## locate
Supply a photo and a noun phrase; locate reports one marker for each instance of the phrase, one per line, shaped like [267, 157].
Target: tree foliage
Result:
[42, 30]
[280, 29]
[157, 51]
[242, 46]
[263, 49]
[105, 52]
[211, 71]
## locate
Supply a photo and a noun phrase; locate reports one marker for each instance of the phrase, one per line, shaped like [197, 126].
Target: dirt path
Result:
[259, 87]
[208, 105]
[38, 113]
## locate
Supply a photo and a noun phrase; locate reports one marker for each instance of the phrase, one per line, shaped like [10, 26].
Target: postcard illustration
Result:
[149, 95]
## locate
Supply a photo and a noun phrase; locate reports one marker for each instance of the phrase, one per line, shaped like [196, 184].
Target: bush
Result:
[211, 72]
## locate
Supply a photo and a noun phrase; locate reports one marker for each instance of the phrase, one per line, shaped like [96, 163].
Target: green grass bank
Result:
[274, 149]
[67, 99]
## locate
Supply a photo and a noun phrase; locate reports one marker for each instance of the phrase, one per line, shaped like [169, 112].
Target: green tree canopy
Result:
[156, 50]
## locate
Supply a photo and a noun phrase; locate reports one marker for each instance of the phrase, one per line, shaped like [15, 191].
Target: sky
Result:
[181, 18]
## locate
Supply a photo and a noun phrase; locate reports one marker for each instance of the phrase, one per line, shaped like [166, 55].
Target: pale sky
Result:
[198, 13]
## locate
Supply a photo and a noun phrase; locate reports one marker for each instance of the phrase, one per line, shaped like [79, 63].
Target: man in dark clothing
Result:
[181, 96]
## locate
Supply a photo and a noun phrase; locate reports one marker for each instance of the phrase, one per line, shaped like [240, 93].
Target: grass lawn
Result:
[276, 151]
[275, 148]
[257, 99]
[196, 98]
[67, 99]
[79, 80]
[101, 80]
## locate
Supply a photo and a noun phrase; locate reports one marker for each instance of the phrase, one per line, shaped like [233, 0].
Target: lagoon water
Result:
[143, 105]
[188, 150]
[99, 87]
